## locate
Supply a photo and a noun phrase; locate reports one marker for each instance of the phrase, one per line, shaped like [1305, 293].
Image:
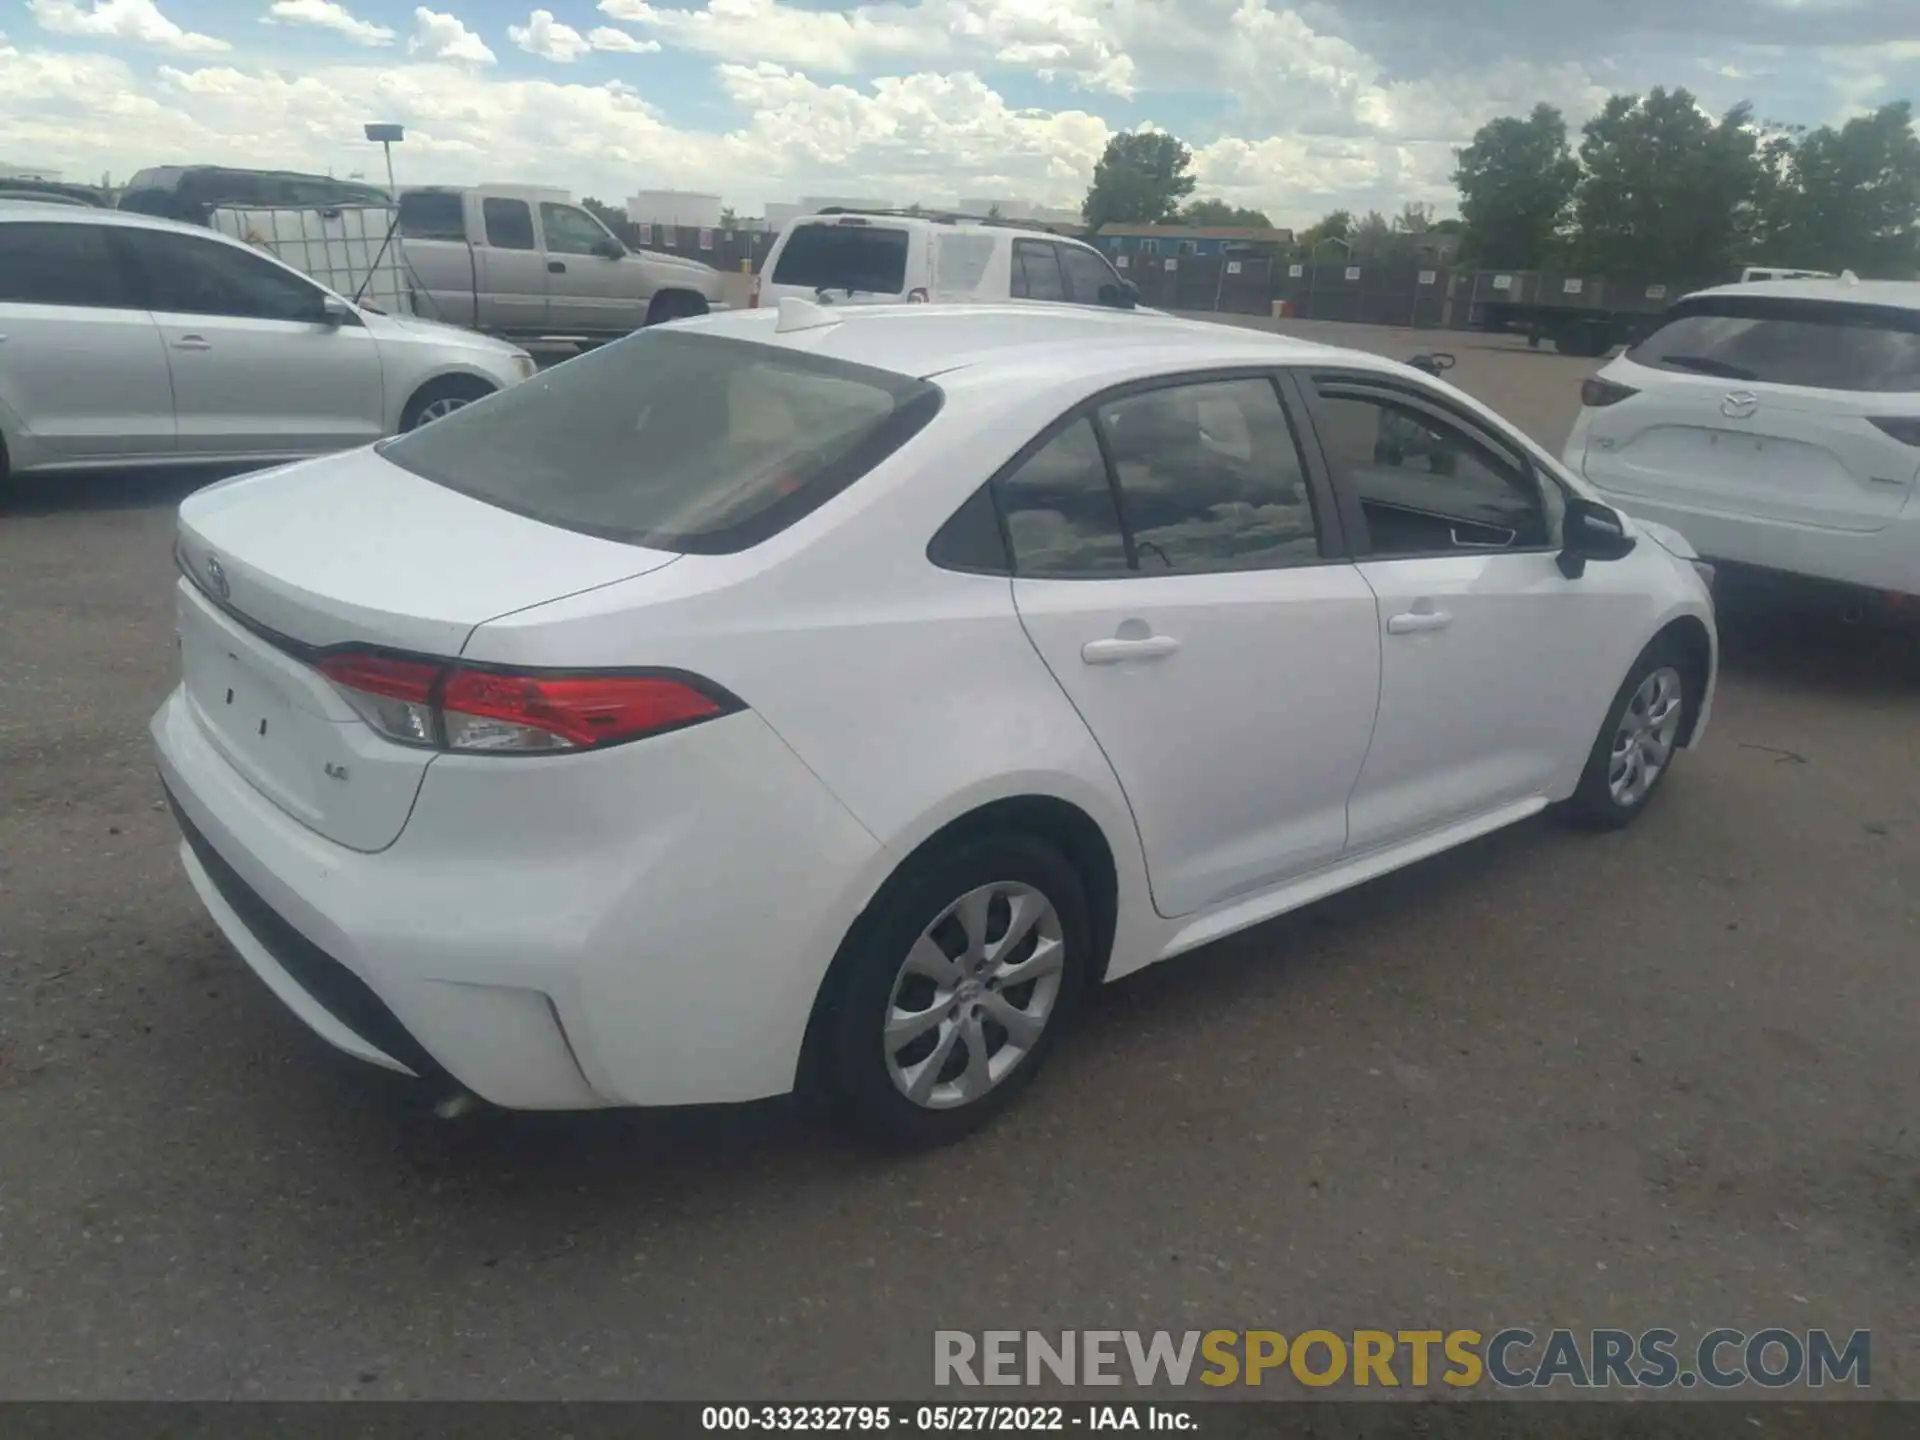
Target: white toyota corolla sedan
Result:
[825, 697]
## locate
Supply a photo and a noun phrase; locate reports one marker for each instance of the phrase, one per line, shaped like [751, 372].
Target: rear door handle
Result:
[1112, 652]
[1415, 621]
[557, 267]
[193, 342]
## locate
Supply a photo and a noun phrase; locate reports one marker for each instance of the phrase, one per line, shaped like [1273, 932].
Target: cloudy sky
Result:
[1292, 105]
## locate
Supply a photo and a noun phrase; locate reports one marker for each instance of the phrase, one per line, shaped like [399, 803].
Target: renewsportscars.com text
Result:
[1510, 1359]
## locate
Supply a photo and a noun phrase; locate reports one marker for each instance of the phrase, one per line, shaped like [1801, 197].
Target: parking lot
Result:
[1664, 1077]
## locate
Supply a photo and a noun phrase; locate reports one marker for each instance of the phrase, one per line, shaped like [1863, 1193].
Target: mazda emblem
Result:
[217, 578]
[1739, 404]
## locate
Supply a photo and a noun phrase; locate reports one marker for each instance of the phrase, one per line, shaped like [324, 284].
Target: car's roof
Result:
[927, 340]
[85, 215]
[1839, 289]
[899, 220]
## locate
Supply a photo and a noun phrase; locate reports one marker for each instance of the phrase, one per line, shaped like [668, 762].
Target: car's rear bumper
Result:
[1885, 560]
[554, 933]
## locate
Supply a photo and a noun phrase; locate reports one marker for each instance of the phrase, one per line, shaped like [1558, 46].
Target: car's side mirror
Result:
[1591, 531]
[610, 250]
[334, 311]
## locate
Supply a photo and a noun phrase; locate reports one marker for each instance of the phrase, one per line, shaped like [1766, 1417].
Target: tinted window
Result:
[570, 231]
[61, 265]
[188, 276]
[1036, 273]
[509, 224]
[1087, 274]
[1210, 478]
[675, 441]
[859, 259]
[1060, 512]
[429, 216]
[971, 539]
[1425, 485]
[1784, 342]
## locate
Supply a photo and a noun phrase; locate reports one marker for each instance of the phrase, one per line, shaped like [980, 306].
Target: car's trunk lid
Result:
[349, 552]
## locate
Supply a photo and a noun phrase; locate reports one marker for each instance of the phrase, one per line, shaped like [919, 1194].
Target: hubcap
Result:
[1643, 744]
[439, 409]
[974, 995]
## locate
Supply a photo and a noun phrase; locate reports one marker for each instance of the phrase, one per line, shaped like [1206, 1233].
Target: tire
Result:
[900, 961]
[442, 397]
[675, 305]
[1634, 753]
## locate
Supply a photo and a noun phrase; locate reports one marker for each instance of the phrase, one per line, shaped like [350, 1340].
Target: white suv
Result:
[884, 257]
[1775, 424]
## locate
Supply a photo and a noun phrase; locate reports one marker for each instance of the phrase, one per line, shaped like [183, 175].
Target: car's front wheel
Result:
[954, 988]
[1637, 743]
[440, 398]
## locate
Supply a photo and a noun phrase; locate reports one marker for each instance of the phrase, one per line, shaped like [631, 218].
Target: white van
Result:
[886, 257]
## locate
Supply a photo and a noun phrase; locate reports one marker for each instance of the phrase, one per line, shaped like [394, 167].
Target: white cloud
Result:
[442, 37]
[547, 38]
[138, 21]
[605, 37]
[326, 15]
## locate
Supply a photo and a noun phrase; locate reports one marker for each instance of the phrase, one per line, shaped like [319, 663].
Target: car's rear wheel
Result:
[675, 305]
[954, 988]
[1637, 745]
[440, 398]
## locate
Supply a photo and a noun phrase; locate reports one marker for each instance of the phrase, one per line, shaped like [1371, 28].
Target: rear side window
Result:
[1812, 343]
[427, 216]
[62, 265]
[1060, 511]
[1036, 271]
[674, 441]
[509, 224]
[858, 259]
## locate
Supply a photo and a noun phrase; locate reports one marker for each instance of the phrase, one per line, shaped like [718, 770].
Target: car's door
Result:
[433, 226]
[1036, 271]
[257, 366]
[1495, 667]
[82, 365]
[1186, 587]
[588, 287]
[513, 272]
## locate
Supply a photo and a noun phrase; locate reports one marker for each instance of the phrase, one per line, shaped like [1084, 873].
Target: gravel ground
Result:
[1652, 1078]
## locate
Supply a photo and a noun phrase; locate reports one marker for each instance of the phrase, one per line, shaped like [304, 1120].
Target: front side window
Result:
[1812, 343]
[1210, 478]
[679, 442]
[62, 265]
[185, 275]
[1090, 280]
[857, 259]
[1036, 272]
[1425, 485]
[1060, 512]
[509, 224]
[571, 231]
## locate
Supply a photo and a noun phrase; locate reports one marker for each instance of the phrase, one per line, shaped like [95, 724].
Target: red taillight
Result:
[494, 710]
[1904, 428]
[445, 706]
[1597, 394]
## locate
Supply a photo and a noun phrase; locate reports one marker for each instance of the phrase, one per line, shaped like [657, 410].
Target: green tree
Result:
[1846, 199]
[993, 211]
[1335, 225]
[1140, 180]
[1667, 191]
[1516, 180]
[728, 219]
[1415, 218]
[614, 220]
[1219, 212]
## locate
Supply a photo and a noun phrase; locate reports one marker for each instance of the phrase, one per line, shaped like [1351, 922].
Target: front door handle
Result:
[1112, 652]
[1413, 622]
[557, 267]
[192, 342]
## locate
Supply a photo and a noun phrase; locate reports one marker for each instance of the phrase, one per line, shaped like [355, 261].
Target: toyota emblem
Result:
[217, 577]
[1739, 404]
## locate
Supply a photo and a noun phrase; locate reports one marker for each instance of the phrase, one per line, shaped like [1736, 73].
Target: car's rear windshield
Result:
[1817, 344]
[859, 259]
[673, 440]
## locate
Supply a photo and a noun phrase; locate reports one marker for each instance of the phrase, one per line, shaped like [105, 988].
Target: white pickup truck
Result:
[529, 264]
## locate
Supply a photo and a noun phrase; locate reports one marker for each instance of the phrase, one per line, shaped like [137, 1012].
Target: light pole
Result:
[388, 136]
